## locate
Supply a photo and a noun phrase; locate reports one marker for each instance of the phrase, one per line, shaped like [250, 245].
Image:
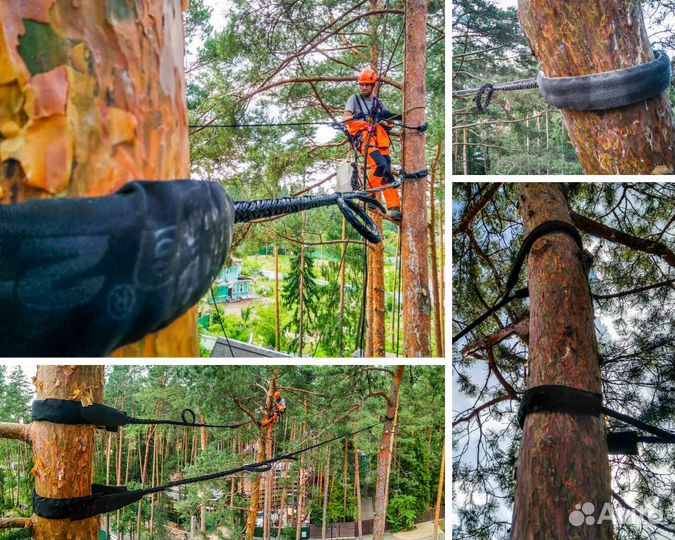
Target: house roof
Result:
[239, 349]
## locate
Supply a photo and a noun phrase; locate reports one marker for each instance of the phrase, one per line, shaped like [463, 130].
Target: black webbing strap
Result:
[557, 398]
[609, 90]
[64, 411]
[82, 277]
[548, 227]
[110, 498]
[564, 399]
[593, 92]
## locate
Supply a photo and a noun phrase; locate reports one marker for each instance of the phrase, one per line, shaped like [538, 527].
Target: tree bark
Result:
[415, 250]
[599, 37]
[438, 333]
[376, 323]
[357, 486]
[204, 439]
[341, 312]
[326, 484]
[384, 457]
[106, 106]
[439, 496]
[262, 452]
[63, 454]
[277, 325]
[345, 475]
[563, 458]
[301, 500]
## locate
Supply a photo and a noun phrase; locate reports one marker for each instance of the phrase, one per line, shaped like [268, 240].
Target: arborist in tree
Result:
[366, 118]
[279, 410]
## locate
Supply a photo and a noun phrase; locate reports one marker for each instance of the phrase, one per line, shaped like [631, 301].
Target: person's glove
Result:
[359, 116]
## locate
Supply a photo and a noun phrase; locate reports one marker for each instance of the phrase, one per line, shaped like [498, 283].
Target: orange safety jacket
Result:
[373, 136]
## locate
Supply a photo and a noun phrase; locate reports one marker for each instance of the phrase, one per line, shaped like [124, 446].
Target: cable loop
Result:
[482, 105]
[186, 413]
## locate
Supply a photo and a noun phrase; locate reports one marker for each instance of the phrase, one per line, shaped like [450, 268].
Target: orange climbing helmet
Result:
[277, 395]
[368, 76]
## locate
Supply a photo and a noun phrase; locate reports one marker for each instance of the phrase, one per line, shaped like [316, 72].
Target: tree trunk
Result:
[120, 448]
[438, 333]
[384, 457]
[376, 311]
[204, 439]
[301, 330]
[277, 325]
[341, 312]
[108, 445]
[301, 499]
[63, 454]
[563, 458]
[357, 486]
[415, 251]
[269, 476]
[439, 496]
[262, 452]
[598, 37]
[105, 107]
[345, 475]
[144, 478]
[326, 484]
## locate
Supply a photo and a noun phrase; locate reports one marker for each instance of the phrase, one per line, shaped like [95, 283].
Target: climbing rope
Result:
[593, 92]
[110, 498]
[220, 320]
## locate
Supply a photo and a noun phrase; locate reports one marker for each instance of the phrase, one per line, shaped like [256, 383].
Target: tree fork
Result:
[415, 248]
[563, 458]
[597, 37]
[108, 106]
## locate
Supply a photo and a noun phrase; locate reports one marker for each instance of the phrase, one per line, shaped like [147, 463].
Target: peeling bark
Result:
[563, 458]
[580, 38]
[92, 95]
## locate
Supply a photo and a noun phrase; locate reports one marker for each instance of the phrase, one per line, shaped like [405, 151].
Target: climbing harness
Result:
[82, 277]
[110, 498]
[64, 411]
[564, 399]
[593, 92]
[543, 229]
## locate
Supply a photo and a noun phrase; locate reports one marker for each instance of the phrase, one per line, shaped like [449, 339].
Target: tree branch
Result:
[600, 230]
[473, 210]
[639, 514]
[16, 523]
[478, 409]
[20, 432]
[521, 328]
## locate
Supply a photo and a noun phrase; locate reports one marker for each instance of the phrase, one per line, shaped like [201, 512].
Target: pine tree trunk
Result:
[108, 437]
[438, 334]
[357, 486]
[262, 452]
[602, 36]
[63, 454]
[439, 496]
[563, 458]
[144, 478]
[325, 495]
[301, 499]
[376, 321]
[120, 448]
[204, 440]
[345, 476]
[106, 108]
[384, 457]
[341, 311]
[277, 319]
[415, 251]
[301, 330]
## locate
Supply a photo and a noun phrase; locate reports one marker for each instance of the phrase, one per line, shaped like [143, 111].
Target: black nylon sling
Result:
[83, 277]
[71, 412]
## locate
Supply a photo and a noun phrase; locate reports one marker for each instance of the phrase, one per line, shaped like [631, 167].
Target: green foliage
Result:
[401, 513]
[15, 534]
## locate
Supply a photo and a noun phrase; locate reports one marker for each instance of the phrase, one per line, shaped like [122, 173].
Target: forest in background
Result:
[270, 63]
[520, 133]
[322, 402]
[629, 254]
